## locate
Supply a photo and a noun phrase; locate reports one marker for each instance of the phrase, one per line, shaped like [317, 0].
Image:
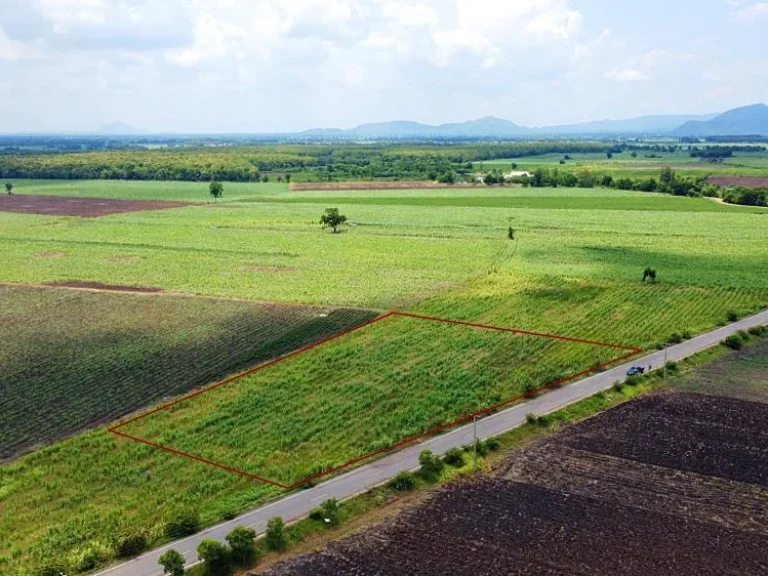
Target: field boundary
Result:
[629, 351]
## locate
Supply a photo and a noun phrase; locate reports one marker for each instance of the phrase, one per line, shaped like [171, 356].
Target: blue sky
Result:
[280, 65]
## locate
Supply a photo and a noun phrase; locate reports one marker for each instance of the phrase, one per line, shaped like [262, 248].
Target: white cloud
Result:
[749, 11]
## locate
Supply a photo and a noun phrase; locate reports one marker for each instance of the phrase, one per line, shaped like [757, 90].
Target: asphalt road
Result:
[299, 504]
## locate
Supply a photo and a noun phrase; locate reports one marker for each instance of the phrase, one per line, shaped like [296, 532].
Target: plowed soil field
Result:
[672, 484]
[70, 206]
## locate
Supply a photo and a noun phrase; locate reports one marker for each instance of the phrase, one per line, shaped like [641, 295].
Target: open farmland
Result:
[568, 506]
[573, 269]
[64, 206]
[407, 375]
[82, 359]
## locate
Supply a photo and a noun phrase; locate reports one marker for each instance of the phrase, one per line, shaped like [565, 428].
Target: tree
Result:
[275, 535]
[215, 556]
[609, 155]
[511, 233]
[332, 219]
[454, 457]
[328, 513]
[216, 189]
[9, 188]
[650, 274]
[448, 177]
[241, 542]
[287, 178]
[431, 465]
[172, 563]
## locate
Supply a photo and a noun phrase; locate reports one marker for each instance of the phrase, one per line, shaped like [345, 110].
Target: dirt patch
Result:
[104, 287]
[378, 185]
[753, 182]
[87, 207]
[266, 268]
[50, 255]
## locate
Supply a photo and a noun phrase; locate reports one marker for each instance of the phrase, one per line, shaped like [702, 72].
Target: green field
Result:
[107, 355]
[574, 268]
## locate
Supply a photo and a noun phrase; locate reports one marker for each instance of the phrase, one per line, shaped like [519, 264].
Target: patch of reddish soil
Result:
[745, 181]
[378, 185]
[101, 286]
[68, 206]
[50, 254]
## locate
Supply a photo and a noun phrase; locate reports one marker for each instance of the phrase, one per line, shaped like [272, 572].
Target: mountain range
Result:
[748, 120]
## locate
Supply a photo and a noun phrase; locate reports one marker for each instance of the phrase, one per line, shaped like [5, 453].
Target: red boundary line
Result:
[632, 351]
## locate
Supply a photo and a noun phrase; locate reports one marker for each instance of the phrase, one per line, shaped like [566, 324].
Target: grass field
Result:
[574, 268]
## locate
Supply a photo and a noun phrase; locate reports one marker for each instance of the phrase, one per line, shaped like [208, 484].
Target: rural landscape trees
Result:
[9, 188]
[332, 219]
[216, 189]
[173, 563]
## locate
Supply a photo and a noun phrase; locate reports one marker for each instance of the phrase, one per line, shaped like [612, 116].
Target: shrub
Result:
[215, 556]
[675, 338]
[672, 367]
[241, 543]
[544, 421]
[732, 316]
[743, 335]
[403, 481]
[454, 457]
[687, 335]
[734, 342]
[618, 386]
[758, 331]
[130, 545]
[531, 418]
[183, 524]
[529, 390]
[431, 465]
[53, 570]
[493, 444]
[632, 380]
[274, 537]
[328, 512]
[172, 563]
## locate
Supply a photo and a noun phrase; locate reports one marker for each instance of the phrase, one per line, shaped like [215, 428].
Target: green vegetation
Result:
[216, 189]
[332, 219]
[573, 269]
[172, 563]
[61, 346]
[275, 537]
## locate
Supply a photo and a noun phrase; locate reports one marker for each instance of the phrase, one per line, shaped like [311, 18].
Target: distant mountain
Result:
[488, 126]
[119, 129]
[747, 120]
[658, 124]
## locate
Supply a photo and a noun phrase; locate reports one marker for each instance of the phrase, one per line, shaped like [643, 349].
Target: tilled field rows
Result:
[667, 485]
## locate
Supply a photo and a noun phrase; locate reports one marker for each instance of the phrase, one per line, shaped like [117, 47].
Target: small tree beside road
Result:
[172, 563]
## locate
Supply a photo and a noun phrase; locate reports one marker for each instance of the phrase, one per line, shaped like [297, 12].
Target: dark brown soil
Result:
[69, 206]
[745, 181]
[102, 286]
[644, 489]
[378, 185]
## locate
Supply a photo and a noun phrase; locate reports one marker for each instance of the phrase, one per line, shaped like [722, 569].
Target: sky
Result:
[207, 66]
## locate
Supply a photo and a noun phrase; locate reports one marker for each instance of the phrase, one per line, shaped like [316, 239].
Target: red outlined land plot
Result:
[409, 390]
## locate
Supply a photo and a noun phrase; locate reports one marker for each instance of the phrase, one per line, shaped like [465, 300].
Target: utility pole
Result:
[474, 446]
[665, 365]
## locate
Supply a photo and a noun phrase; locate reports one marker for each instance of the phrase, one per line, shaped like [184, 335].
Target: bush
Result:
[672, 367]
[431, 465]
[327, 513]
[544, 421]
[732, 316]
[743, 335]
[675, 338]
[632, 380]
[183, 524]
[130, 545]
[172, 563]
[734, 342]
[687, 335]
[531, 418]
[493, 444]
[403, 481]
[52, 570]
[274, 537]
[758, 331]
[529, 390]
[215, 556]
[241, 543]
[454, 457]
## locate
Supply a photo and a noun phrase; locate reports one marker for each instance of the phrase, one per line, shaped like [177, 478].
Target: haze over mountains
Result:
[747, 120]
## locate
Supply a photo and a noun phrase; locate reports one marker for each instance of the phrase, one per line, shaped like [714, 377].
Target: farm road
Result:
[297, 505]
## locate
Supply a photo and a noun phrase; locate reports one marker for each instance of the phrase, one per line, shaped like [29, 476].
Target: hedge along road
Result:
[299, 504]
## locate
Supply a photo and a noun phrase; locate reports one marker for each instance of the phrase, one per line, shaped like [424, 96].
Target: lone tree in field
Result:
[9, 188]
[511, 233]
[332, 219]
[649, 274]
[172, 563]
[216, 189]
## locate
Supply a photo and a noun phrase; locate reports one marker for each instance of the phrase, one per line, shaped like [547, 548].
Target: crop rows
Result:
[83, 359]
[404, 375]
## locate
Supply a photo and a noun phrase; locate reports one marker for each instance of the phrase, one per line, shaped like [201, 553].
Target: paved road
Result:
[297, 505]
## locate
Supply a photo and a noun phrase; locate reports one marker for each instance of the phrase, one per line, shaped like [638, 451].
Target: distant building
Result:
[517, 174]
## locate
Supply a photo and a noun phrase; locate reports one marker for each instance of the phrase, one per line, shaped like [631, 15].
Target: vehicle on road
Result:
[635, 371]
